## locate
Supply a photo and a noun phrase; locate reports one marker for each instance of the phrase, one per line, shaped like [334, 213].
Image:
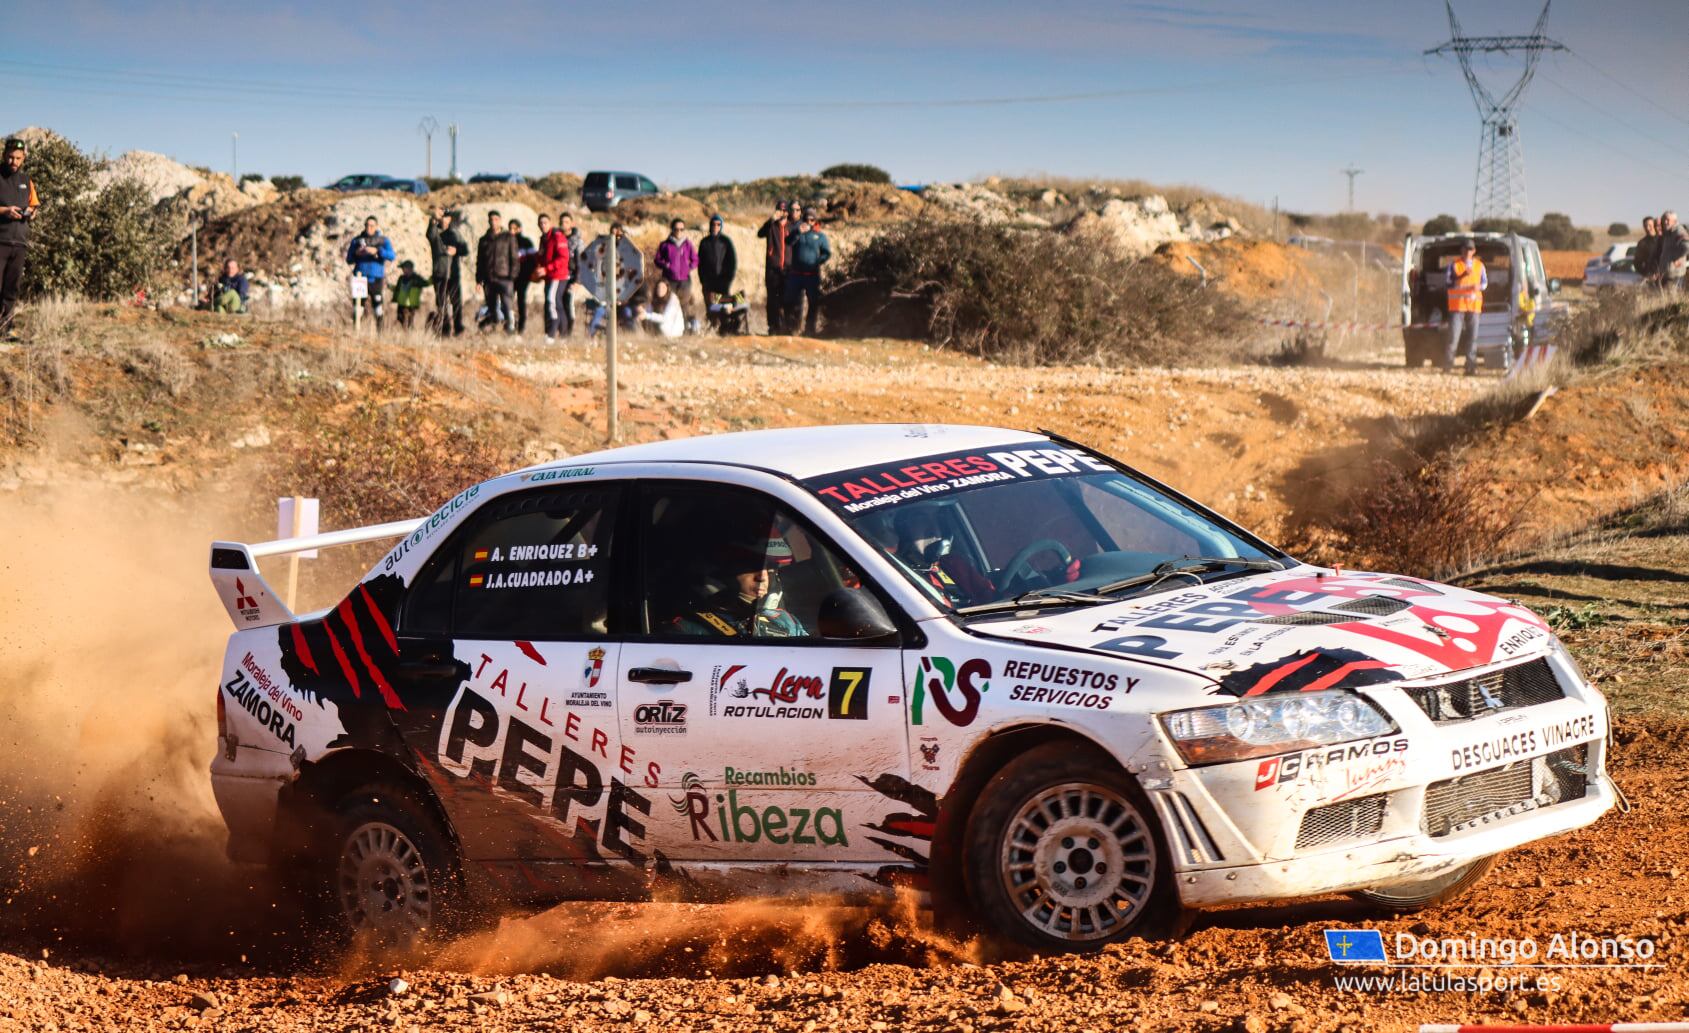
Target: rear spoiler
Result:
[245, 593]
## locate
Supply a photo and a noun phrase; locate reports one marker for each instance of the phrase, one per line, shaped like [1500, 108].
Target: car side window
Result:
[531, 566]
[627, 183]
[722, 562]
[647, 186]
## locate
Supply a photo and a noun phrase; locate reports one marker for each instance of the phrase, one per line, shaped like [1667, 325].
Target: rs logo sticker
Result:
[847, 695]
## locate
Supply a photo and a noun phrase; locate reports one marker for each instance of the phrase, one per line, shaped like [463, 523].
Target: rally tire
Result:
[1063, 853]
[1409, 897]
[389, 875]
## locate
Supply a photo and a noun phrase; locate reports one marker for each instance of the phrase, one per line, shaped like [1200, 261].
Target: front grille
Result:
[1306, 617]
[1511, 688]
[1470, 801]
[1335, 822]
[1374, 606]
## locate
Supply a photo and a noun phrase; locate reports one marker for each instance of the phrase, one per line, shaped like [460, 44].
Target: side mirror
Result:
[1554, 286]
[853, 615]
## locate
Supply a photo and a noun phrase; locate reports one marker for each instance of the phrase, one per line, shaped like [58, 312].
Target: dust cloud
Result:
[110, 842]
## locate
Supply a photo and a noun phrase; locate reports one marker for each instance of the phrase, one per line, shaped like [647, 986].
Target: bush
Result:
[1033, 297]
[288, 184]
[102, 244]
[251, 177]
[1434, 519]
[1441, 224]
[1554, 233]
[1618, 229]
[860, 173]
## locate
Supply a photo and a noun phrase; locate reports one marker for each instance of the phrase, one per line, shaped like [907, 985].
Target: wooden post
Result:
[293, 557]
[610, 349]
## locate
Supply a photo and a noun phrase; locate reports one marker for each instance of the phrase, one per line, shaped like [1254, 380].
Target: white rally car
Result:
[988, 663]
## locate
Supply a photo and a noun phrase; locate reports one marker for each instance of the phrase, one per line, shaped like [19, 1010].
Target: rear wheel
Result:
[1408, 897]
[1063, 852]
[392, 876]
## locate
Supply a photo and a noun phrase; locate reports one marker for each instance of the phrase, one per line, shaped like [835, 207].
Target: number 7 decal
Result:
[847, 694]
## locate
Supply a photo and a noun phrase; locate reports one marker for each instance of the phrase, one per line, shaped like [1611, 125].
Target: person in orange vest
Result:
[1467, 280]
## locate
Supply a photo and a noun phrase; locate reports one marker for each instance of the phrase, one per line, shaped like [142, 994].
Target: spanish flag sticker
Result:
[480, 555]
[475, 580]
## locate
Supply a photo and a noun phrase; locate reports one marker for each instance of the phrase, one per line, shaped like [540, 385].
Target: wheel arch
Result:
[322, 783]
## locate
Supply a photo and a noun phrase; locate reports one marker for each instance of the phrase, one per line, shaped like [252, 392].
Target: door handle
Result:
[658, 675]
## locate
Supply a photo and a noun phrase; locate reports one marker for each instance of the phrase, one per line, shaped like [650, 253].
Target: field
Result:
[132, 437]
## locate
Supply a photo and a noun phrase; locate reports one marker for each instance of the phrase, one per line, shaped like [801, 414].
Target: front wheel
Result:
[1063, 852]
[1407, 897]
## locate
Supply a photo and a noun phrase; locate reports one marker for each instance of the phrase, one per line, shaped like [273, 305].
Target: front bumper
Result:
[1397, 809]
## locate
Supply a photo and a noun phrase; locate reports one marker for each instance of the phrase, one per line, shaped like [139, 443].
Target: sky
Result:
[1250, 98]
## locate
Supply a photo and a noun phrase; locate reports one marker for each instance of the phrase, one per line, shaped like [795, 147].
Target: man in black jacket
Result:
[447, 248]
[18, 205]
[718, 264]
[495, 271]
[776, 231]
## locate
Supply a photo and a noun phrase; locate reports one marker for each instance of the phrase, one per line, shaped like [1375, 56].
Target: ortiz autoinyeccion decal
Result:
[887, 484]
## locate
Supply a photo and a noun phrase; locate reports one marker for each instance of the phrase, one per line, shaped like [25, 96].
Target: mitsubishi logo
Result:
[246, 604]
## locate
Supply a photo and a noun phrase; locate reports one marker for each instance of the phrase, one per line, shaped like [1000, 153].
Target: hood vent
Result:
[1374, 606]
[1306, 618]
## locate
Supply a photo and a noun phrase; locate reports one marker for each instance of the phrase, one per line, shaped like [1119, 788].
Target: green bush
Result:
[1441, 224]
[858, 172]
[288, 184]
[1033, 297]
[251, 177]
[101, 244]
[1618, 229]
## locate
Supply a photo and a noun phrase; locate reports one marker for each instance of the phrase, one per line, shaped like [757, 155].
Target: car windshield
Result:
[1033, 520]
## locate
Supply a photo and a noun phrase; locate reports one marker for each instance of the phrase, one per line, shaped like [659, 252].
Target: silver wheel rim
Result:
[384, 886]
[1078, 862]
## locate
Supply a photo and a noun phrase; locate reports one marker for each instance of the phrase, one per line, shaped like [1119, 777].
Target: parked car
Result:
[407, 186]
[1615, 267]
[359, 181]
[1516, 302]
[992, 664]
[602, 191]
[497, 177]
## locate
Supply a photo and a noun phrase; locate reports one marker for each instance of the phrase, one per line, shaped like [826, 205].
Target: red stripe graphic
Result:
[388, 696]
[533, 654]
[303, 648]
[1279, 674]
[345, 664]
[1327, 681]
[380, 620]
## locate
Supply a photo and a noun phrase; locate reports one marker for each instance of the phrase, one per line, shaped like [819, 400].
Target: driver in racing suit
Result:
[927, 553]
[748, 605]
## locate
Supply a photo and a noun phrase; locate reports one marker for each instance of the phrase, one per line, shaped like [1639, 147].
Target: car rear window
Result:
[597, 180]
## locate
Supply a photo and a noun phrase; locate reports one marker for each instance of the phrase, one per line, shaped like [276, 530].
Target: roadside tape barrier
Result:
[1595, 1027]
[1540, 355]
[1303, 324]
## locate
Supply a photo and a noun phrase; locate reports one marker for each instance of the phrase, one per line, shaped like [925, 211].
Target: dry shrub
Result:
[1035, 297]
[1433, 519]
[374, 463]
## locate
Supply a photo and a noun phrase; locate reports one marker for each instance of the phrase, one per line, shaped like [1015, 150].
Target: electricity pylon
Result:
[1500, 187]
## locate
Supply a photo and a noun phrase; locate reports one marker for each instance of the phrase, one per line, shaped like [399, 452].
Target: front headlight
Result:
[1270, 725]
[1566, 657]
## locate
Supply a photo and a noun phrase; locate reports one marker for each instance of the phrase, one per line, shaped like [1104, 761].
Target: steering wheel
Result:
[1013, 572]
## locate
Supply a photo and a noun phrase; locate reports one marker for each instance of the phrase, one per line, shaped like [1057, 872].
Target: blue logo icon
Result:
[1354, 945]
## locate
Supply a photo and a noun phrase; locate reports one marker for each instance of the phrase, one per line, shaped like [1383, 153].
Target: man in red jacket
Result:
[554, 259]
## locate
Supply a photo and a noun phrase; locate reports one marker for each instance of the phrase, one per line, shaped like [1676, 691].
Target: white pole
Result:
[293, 558]
[610, 349]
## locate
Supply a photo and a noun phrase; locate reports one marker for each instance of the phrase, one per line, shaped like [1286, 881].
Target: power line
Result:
[1592, 138]
[1630, 89]
[1638, 130]
[259, 89]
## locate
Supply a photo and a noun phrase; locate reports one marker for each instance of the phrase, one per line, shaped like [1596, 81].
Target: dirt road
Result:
[117, 910]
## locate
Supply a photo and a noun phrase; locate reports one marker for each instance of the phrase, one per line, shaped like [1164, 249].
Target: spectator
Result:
[566, 314]
[810, 251]
[230, 294]
[1647, 249]
[676, 260]
[718, 264]
[612, 291]
[1673, 260]
[495, 271]
[368, 255]
[527, 263]
[18, 205]
[448, 250]
[1468, 279]
[407, 293]
[774, 230]
[554, 267]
